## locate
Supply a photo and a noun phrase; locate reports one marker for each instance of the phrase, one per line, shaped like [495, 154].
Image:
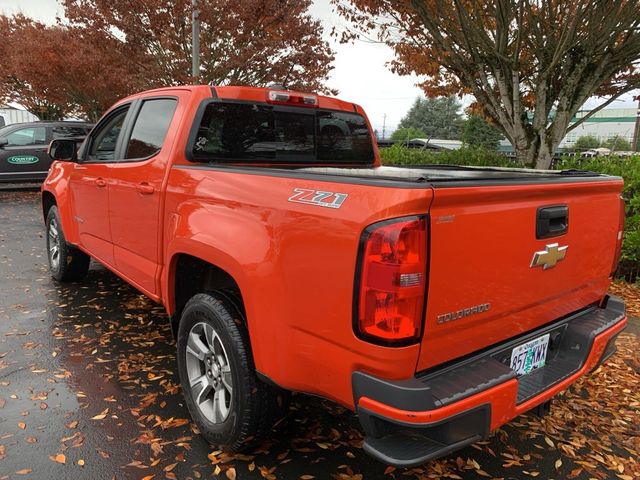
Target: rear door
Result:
[493, 271]
[25, 157]
[135, 183]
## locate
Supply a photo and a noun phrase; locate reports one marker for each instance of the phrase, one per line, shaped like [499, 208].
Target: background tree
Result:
[586, 142]
[407, 133]
[55, 72]
[617, 144]
[243, 42]
[477, 132]
[436, 117]
[530, 64]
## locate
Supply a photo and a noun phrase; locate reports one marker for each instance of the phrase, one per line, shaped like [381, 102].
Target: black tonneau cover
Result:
[450, 175]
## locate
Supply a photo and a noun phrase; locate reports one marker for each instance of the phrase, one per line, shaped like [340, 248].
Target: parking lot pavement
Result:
[88, 389]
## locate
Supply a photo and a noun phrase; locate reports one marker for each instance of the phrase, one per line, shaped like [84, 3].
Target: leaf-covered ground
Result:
[88, 389]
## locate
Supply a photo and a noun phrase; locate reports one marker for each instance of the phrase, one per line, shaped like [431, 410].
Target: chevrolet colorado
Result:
[437, 302]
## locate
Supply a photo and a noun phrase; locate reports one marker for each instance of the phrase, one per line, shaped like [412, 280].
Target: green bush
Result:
[625, 167]
[629, 169]
[400, 155]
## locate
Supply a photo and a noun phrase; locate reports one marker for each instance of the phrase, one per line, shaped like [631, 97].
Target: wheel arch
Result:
[188, 275]
[48, 201]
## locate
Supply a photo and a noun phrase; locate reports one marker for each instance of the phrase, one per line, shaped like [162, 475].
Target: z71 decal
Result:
[317, 197]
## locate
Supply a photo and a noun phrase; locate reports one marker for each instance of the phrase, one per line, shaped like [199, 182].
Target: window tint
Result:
[151, 127]
[103, 142]
[27, 136]
[238, 132]
[68, 131]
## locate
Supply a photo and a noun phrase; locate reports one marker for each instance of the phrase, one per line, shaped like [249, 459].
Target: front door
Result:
[135, 192]
[89, 186]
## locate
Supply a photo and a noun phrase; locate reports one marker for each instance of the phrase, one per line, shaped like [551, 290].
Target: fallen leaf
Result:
[59, 458]
[101, 415]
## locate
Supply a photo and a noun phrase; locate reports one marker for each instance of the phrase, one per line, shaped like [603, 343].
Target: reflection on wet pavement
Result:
[89, 389]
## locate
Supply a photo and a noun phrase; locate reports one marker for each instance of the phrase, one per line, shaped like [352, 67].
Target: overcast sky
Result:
[360, 72]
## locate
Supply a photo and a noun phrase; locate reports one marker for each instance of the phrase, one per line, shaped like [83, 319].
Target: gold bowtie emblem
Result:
[548, 257]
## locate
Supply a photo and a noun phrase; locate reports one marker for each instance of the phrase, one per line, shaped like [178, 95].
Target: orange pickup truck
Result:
[437, 302]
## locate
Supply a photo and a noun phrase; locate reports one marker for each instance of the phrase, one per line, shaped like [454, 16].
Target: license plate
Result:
[531, 355]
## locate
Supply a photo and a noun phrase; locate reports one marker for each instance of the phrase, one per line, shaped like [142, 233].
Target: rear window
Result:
[250, 133]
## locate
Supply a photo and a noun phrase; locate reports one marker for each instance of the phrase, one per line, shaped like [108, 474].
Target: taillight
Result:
[391, 286]
[292, 98]
[620, 234]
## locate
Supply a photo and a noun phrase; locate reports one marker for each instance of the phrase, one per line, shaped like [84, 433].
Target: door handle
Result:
[552, 221]
[100, 182]
[145, 188]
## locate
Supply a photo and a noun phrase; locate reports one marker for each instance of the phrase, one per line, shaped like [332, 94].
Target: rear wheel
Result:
[230, 405]
[66, 263]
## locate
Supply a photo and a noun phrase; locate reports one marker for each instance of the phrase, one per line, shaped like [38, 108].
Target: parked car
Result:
[437, 302]
[23, 148]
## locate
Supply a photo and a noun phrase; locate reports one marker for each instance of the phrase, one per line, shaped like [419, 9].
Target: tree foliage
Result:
[437, 117]
[407, 133]
[586, 142]
[243, 42]
[477, 132]
[530, 64]
[617, 144]
[110, 49]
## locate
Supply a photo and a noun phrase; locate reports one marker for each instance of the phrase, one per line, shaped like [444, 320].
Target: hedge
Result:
[626, 167]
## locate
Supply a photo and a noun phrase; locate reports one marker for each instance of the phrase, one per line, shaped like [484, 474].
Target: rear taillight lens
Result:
[620, 234]
[391, 281]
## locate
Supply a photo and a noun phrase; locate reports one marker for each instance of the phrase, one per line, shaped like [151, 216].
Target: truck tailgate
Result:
[483, 288]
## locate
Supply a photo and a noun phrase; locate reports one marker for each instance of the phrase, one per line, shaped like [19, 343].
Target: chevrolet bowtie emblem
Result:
[548, 257]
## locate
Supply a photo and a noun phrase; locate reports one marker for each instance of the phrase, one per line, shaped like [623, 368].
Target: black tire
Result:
[66, 263]
[254, 406]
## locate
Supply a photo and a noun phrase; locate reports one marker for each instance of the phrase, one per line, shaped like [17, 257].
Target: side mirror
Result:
[63, 150]
[3, 142]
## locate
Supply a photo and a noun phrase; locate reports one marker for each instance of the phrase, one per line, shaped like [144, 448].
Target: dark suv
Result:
[23, 148]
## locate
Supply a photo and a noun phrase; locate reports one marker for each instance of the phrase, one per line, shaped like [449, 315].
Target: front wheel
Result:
[230, 405]
[66, 263]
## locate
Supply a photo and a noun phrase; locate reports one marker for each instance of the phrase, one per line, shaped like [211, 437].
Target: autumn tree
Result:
[530, 64]
[56, 71]
[243, 42]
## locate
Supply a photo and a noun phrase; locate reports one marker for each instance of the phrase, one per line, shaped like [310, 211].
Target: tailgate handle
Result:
[552, 221]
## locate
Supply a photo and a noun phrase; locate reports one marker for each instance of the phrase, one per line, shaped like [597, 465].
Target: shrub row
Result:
[627, 168]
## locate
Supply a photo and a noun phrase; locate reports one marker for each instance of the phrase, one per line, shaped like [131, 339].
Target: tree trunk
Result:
[535, 153]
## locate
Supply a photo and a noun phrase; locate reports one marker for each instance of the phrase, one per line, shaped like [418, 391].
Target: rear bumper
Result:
[409, 422]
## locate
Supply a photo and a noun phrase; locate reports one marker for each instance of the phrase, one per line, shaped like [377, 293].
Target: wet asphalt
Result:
[89, 389]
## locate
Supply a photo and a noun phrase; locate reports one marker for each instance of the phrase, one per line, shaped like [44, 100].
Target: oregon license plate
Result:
[531, 355]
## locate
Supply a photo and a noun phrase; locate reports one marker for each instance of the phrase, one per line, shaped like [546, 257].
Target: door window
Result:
[27, 136]
[103, 143]
[66, 131]
[151, 128]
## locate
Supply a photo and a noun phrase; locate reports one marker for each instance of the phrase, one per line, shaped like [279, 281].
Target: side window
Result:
[65, 131]
[151, 128]
[27, 136]
[103, 143]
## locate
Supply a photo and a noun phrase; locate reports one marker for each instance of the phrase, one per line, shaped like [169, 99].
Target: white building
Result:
[9, 115]
[605, 124]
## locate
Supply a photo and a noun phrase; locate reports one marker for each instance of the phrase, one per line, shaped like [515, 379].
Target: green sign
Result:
[23, 159]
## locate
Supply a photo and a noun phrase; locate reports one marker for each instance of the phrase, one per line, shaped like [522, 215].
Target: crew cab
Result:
[437, 302]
